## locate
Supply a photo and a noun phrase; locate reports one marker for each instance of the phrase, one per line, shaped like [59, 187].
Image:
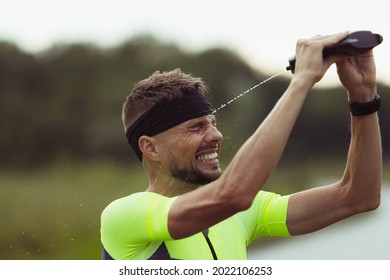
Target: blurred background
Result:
[67, 66]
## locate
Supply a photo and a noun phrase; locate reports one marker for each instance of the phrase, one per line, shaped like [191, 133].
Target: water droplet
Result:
[245, 92]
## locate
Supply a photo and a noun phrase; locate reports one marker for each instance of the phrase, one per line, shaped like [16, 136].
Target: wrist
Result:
[362, 95]
[365, 108]
[301, 85]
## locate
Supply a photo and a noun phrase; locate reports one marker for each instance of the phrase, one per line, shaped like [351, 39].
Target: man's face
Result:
[193, 150]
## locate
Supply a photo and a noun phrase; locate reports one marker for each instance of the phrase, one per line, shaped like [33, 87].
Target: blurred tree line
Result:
[64, 103]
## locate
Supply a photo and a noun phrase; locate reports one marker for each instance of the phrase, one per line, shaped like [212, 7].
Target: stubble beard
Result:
[191, 175]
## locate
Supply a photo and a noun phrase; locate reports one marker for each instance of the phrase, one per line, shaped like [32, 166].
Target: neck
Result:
[169, 186]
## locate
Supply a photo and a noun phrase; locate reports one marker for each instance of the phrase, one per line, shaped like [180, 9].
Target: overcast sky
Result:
[263, 32]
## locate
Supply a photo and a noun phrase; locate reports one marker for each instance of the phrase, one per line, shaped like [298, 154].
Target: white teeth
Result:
[208, 157]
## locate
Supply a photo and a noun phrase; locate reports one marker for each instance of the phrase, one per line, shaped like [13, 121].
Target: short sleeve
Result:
[130, 224]
[266, 217]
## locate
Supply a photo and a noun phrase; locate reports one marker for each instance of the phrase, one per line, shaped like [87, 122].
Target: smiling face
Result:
[192, 150]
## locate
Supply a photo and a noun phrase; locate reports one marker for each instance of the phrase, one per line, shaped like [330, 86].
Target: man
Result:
[191, 210]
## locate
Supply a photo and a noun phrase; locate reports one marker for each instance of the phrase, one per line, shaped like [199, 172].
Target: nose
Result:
[213, 134]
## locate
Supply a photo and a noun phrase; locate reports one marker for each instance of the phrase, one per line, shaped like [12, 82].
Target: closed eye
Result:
[198, 126]
[201, 123]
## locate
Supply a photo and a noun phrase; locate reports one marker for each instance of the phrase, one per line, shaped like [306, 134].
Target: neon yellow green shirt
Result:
[136, 228]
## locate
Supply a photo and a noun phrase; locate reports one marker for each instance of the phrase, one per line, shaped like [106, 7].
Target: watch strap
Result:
[361, 109]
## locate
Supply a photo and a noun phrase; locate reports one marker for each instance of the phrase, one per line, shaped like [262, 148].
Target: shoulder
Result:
[267, 210]
[133, 202]
[143, 214]
[267, 199]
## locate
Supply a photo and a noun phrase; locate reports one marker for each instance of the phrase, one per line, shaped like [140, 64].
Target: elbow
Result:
[244, 203]
[361, 196]
[368, 203]
[234, 199]
[239, 203]
[368, 206]
[374, 203]
[374, 198]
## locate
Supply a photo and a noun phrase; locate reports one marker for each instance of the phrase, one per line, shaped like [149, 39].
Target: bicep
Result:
[316, 208]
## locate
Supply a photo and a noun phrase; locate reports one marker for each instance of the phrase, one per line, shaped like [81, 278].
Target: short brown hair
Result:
[160, 85]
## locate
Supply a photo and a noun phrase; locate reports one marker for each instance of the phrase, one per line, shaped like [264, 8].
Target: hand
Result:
[358, 75]
[310, 64]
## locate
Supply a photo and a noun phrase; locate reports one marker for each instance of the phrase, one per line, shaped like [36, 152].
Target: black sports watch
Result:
[361, 109]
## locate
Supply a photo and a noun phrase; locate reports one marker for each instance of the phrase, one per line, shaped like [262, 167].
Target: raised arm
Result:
[359, 188]
[235, 190]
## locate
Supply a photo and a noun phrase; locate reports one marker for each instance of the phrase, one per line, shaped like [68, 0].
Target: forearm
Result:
[358, 190]
[363, 174]
[257, 158]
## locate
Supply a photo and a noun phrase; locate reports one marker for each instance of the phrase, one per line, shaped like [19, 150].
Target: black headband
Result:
[167, 114]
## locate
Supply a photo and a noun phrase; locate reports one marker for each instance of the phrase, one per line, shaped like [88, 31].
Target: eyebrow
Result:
[203, 121]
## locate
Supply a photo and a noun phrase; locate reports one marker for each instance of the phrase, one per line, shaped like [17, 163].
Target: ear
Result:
[148, 148]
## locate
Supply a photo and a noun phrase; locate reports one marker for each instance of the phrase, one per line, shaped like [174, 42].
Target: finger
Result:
[329, 40]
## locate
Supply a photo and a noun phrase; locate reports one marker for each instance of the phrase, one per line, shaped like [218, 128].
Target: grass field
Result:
[54, 213]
